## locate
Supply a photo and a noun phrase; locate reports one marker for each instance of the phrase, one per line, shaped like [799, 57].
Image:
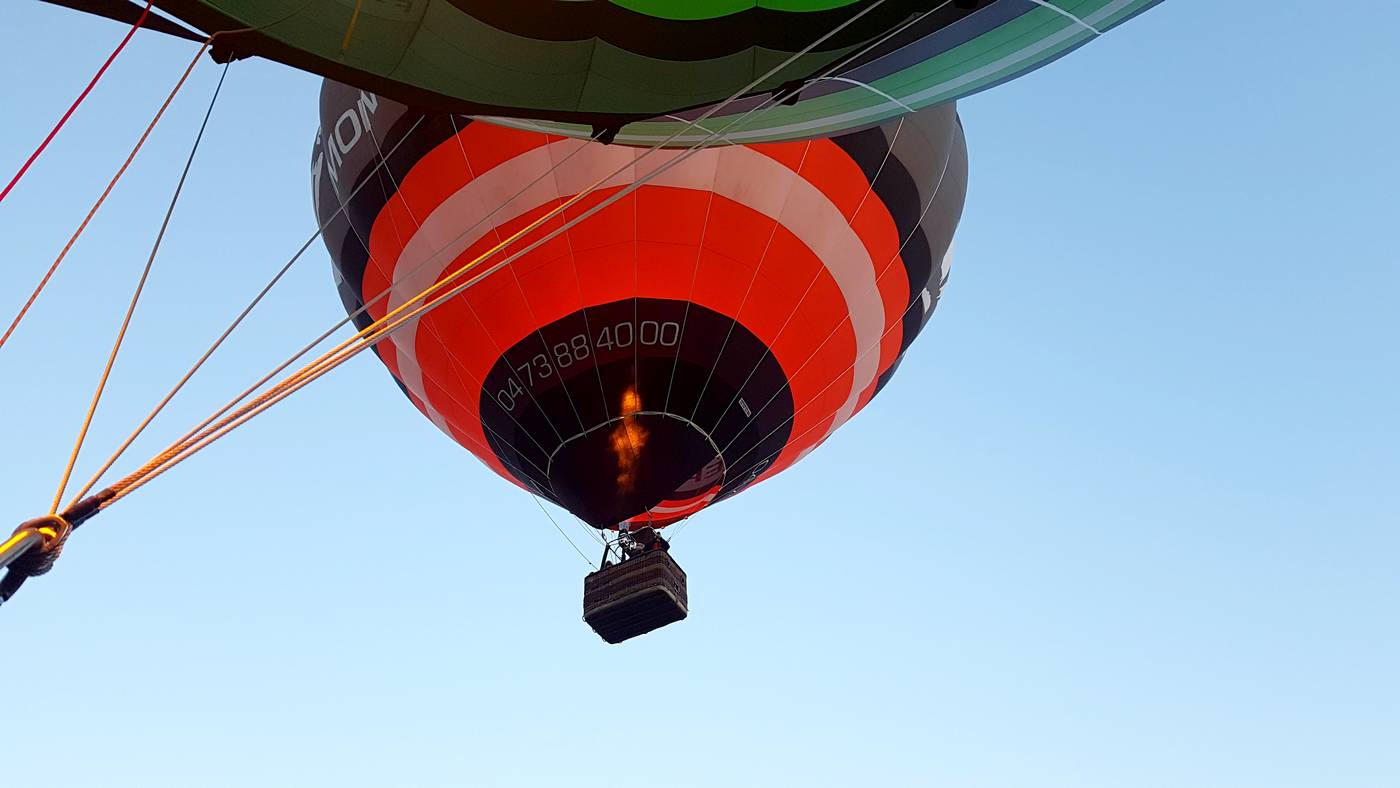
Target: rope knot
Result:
[54, 531]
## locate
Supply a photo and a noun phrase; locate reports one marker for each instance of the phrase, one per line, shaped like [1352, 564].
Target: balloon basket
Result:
[636, 596]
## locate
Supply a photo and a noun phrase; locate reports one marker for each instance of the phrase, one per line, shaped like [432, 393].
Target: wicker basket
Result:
[634, 597]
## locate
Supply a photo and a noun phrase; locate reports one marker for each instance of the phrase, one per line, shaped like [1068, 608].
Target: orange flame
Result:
[628, 438]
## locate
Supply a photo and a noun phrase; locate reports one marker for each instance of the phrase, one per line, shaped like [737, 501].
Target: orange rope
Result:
[103, 198]
[204, 434]
[333, 357]
[350, 29]
[140, 285]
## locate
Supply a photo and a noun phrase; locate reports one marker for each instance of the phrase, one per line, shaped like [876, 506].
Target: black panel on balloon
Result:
[619, 408]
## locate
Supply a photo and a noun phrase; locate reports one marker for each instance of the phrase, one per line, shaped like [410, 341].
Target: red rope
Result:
[54, 133]
[112, 184]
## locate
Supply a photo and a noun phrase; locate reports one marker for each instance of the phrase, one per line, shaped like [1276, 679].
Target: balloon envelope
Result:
[701, 333]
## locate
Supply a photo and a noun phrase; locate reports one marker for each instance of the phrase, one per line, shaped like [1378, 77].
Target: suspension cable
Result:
[141, 20]
[136, 296]
[555, 523]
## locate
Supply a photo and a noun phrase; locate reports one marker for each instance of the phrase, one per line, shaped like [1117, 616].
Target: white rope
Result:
[721, 137]
[882, 94]
[554, 523]
[1064, 13]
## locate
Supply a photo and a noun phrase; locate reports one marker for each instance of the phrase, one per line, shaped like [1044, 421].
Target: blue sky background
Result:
[1127, 517]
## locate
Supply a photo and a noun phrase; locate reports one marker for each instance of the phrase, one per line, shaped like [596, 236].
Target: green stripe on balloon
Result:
[711, 9]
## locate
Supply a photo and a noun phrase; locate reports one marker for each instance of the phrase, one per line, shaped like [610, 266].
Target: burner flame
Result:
[628, 438]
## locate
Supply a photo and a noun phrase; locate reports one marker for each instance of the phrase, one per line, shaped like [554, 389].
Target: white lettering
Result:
[356, 130]
[367, 104]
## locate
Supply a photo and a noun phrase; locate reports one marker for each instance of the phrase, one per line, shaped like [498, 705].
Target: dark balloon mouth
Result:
[627, 466]
[647, 422]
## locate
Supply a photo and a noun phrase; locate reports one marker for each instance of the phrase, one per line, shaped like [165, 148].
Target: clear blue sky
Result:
[1127, 517]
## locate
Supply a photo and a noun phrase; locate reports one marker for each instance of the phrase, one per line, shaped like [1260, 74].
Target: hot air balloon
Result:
[696, 336]
[644, 69]
[758, 255]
